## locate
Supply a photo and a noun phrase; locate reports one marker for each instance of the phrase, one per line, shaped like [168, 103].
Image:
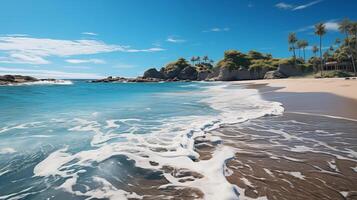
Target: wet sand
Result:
[308, 153]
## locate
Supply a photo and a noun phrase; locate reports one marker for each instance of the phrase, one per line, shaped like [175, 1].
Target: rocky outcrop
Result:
[226, 74]
[290, 70]
[188, 73]
[274, 75]
[153, 73]
[16, 79]
[203, 75]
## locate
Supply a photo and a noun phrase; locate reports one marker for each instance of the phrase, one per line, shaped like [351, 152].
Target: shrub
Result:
[333, 74]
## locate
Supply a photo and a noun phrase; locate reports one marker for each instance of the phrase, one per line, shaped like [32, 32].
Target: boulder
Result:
[274, 74]
[188, 73]
[153, 73]
[8, 79]
[290, 70]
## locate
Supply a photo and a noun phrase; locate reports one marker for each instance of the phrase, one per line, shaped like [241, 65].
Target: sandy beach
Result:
[337, 86]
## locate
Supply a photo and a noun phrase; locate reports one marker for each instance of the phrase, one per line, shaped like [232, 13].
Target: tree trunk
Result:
[354, 65]
[294, 56]
[351, 52]
[304, 54]
[321, 67]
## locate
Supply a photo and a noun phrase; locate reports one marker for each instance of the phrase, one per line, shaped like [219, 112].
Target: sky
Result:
[97, 38]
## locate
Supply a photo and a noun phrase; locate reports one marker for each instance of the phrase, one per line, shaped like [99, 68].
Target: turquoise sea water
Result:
[63, 141]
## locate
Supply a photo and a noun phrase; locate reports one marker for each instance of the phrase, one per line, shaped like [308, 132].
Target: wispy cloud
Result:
[284, 6]
[28, 50]
[90, 33]
[331, 25]
[48, 73]
[307, 5]
[154, 49]
[217, 30]
[287, 6]
[80, 61]
[175, 39]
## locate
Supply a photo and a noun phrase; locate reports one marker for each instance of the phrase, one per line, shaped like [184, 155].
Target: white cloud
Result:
[154, 49]
[90, 33]
[217, 30]
[286, 6]
[174, 39]
[331, 25]
[48, 73]
[307, 5]
[17, 35]
[23, 58]
[80, 61]
[35, 50]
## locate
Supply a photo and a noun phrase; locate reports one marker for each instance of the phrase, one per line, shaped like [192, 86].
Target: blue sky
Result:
[97, 38]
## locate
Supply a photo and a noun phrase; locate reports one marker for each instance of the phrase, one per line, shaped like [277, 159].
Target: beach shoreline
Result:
[302, 153]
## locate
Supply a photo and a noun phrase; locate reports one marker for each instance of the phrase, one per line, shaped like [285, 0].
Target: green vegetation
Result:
[334, 74]
[343, 52]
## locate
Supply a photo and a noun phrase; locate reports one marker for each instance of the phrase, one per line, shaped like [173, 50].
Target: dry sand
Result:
[337, 86]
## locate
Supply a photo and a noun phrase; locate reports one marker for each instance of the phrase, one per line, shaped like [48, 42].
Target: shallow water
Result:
[119, 141]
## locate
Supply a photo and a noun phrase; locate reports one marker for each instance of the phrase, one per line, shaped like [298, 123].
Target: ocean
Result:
[80, 140]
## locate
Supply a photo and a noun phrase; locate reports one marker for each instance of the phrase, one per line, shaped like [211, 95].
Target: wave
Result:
[45, 82]
[176, 135]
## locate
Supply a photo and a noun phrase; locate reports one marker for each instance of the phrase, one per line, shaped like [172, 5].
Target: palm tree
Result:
[198, 59]
[299, 46]
[315, 49]
[345, 27]
[304, 44]
[193, 59]
[353, 31]
[205, 59]
[320, 31]
[292, 41]
[211, 61]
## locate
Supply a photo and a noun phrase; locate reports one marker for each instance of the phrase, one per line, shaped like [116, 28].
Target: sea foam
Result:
[176, 134]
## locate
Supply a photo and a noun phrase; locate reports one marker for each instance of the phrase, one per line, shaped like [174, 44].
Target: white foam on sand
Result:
[177, 135]
[7, 150]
